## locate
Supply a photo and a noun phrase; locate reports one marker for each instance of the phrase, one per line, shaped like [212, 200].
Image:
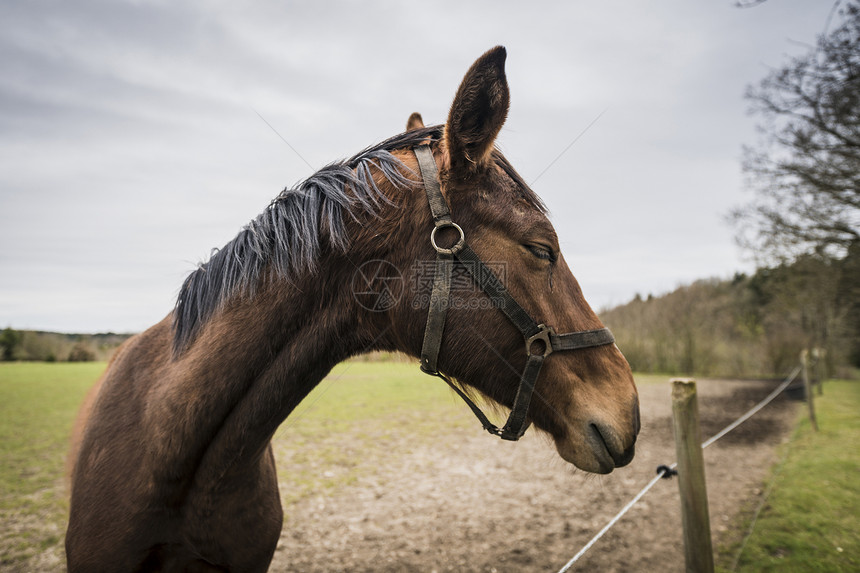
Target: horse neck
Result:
[252, 364]
[254, 361]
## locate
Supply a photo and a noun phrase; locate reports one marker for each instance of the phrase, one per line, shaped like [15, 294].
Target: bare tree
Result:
[805, 171]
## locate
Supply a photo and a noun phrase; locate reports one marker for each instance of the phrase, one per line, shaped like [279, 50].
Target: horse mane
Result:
[286, 238]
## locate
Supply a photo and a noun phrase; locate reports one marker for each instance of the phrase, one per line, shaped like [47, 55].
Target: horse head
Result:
[585, 399]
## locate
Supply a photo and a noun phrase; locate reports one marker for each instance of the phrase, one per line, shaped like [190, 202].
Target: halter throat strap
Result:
[540, 340]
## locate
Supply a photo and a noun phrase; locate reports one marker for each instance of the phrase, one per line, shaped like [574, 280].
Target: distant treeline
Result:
[752, 325]
[748, 326]
[55, 347]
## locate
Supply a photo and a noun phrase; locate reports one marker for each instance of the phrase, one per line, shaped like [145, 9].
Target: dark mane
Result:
[526, 192]
[286, 237]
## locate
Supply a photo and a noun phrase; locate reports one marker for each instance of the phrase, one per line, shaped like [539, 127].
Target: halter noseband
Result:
[535, 334]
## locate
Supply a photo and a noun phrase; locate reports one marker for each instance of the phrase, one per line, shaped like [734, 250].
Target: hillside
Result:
[58, 347]
[747, 326]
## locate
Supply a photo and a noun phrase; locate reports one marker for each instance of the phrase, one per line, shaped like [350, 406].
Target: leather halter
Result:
[540, 340]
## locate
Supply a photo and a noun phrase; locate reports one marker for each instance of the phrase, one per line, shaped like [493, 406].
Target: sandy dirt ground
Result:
[457, 499]
[465, 501]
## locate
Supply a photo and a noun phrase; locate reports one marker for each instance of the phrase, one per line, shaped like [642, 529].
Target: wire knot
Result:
[667, 472]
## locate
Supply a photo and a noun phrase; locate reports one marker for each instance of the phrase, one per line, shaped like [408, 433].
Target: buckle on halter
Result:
[458, 246]
[543, 336]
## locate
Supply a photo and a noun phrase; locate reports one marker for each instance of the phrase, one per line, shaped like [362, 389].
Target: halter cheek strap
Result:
[532, 332]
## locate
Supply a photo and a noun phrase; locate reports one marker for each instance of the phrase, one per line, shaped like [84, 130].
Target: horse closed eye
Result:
[541, 252]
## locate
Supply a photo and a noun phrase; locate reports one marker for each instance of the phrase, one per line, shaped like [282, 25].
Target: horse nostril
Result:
[604, 435]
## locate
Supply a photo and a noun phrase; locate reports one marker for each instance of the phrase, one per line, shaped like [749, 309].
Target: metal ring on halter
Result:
[543, 336]
[458, 246]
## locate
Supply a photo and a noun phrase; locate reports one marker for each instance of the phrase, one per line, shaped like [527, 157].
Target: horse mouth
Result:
[597, 451]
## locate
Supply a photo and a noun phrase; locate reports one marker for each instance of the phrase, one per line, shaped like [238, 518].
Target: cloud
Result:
[130, 143]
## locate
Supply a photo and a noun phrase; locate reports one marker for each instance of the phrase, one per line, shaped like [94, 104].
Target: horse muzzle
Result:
[599, 445]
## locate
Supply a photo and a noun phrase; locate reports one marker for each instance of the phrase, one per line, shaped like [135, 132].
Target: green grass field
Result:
[811, 518]
[812, 512]
[327, 442]
[38, 403]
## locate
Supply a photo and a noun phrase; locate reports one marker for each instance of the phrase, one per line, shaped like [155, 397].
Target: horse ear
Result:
[414, 122]
[479, 110]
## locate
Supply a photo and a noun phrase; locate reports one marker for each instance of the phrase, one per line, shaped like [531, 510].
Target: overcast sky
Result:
[131, 138]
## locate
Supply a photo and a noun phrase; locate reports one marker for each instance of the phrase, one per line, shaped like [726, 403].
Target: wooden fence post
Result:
[807, 387]
[819, 354]
[698, 550]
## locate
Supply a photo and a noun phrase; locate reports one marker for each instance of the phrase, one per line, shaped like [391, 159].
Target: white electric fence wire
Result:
[767, 400]
[612, 522]
[754, 409]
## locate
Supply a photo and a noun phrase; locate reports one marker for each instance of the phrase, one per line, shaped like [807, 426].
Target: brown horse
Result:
[172, 463]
